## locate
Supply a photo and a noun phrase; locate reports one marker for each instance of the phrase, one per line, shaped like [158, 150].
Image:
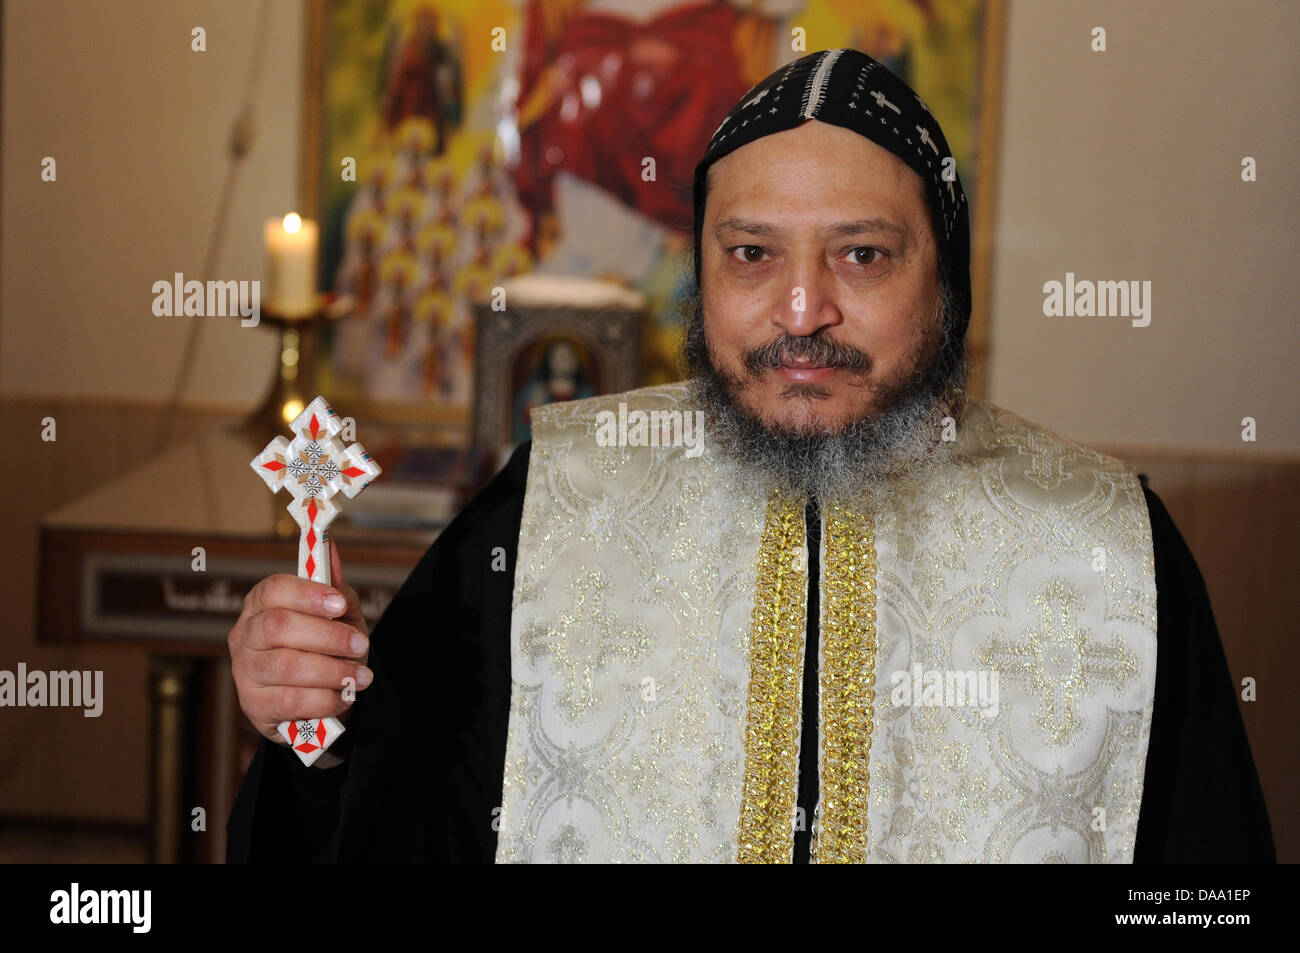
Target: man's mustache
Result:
[818, 350]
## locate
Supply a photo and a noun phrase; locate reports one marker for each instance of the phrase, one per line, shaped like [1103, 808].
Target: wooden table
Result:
[118, 567]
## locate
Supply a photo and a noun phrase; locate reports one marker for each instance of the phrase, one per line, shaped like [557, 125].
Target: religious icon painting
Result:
[552, 369]
[547, 339]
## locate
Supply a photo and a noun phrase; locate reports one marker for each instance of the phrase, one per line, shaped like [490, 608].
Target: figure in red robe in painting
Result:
[600, 93]
[423, 79]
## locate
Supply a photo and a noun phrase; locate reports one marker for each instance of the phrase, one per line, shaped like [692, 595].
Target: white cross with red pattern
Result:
[313, 467]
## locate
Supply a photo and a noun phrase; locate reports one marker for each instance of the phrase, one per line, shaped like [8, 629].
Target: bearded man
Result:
[876, 619]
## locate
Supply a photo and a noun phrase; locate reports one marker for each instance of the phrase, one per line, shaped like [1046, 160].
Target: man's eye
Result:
[745, 251]
[867, 248]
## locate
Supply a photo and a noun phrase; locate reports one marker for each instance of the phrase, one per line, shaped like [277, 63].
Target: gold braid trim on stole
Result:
[766, 829]
[846, 686]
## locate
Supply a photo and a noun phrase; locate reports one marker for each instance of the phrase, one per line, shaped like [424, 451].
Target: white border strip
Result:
[819, 82]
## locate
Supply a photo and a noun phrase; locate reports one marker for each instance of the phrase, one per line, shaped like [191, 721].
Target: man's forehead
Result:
[887, 208]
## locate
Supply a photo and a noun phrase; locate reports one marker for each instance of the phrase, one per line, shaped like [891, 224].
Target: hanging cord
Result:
[242, 133]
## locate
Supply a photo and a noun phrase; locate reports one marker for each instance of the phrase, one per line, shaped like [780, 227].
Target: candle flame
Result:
[292, 223]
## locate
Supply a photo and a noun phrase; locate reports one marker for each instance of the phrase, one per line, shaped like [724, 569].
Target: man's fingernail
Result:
[335, 603]
[364, 676]
[359, 643]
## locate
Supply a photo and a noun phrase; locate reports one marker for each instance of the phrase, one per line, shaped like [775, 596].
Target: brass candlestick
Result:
[295, 377]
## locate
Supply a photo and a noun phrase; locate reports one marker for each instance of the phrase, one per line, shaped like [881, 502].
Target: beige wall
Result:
[138, 125]
[1126, 164]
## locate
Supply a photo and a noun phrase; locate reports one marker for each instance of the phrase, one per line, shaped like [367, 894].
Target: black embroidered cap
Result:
[850, 89]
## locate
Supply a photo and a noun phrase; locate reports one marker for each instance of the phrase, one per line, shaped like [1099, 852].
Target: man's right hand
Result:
[295, 645]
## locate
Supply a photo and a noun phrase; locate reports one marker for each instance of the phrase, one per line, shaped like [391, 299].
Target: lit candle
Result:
[290, 265]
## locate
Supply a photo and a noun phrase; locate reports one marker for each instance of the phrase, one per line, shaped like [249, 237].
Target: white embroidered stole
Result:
[657, 639]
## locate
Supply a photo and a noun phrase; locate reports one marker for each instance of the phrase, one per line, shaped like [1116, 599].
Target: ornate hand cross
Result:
[313, 466]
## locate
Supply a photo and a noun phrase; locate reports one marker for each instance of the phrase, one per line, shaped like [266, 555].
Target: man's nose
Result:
[809, 301]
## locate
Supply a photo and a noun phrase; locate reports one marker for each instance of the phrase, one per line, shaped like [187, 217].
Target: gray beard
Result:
[901, 439]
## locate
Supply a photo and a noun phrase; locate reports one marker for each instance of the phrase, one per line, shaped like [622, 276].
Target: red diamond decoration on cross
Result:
[311, 535]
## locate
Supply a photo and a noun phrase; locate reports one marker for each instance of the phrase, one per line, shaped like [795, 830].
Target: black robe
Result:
[425, 750]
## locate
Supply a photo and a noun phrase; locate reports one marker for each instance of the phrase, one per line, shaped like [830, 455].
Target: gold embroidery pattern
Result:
[1059, 660]
[847, 685]
[584, 642]
[766, 829]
